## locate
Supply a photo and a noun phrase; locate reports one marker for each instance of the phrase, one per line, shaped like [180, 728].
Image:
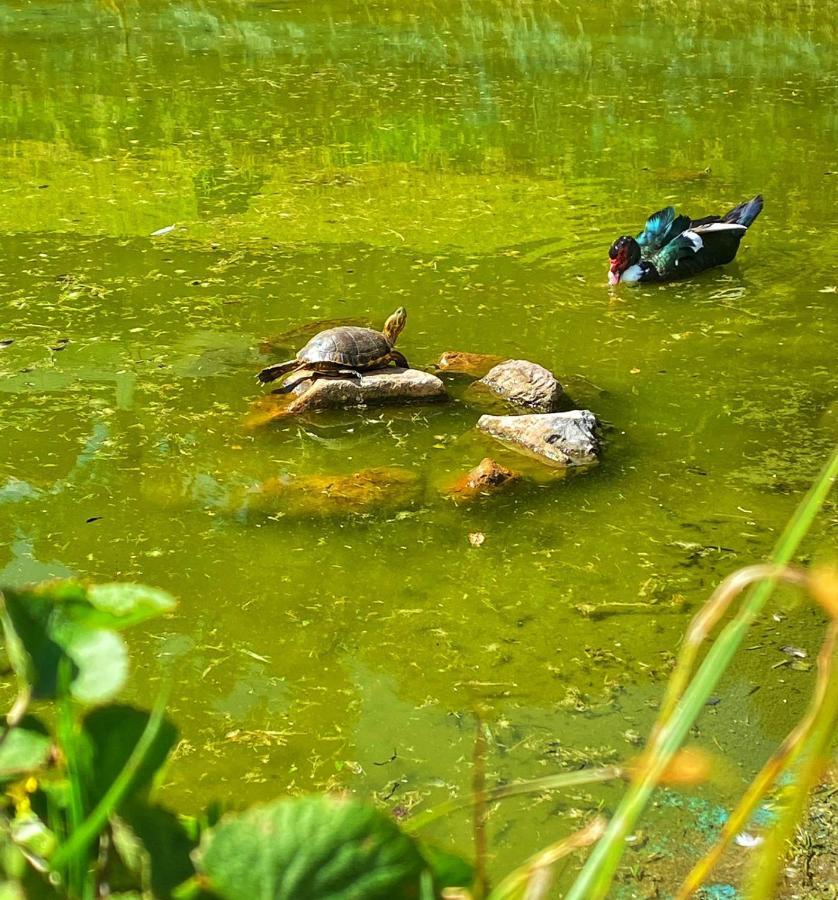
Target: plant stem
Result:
[518, 789]
[77, 863]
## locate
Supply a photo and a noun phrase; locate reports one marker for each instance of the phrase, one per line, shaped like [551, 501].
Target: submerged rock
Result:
[267, 409]
[457, 362]
[524, 383]
[391, 385]
[486, 478]
[563, 439]
[384, 488]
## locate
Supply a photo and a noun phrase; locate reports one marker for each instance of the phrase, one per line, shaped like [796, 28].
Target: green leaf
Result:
[85, 833]
[18, 879]
[448, 869]
[33, 653]
[32, 835]
[100, 660]
[121, 605]
[153, 843]
[112, 732]
[42, 627]
[11, 890]
[24, 749]
[311, 849]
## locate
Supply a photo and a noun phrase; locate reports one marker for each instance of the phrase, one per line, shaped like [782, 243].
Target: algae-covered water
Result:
[471, 161]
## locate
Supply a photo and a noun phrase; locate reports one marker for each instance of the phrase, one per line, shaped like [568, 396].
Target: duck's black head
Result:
[624, 253]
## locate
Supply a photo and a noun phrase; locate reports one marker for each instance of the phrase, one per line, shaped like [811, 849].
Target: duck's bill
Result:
[613, 277]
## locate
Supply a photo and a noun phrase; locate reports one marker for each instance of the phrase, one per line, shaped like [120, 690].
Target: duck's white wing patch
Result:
[718, 226]
[694, 240]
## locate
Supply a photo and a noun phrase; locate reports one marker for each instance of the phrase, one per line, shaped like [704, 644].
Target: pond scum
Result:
[80, 818]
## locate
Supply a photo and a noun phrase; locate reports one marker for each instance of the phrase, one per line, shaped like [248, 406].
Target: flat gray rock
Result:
[389, 385]
[561, 439]
[524, 383]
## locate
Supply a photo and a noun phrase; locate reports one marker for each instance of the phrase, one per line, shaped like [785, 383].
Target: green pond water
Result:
[471, 161]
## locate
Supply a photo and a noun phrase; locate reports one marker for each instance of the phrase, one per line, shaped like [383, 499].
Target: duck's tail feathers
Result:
[745, 213]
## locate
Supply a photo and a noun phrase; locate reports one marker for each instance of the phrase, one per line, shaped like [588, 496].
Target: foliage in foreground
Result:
[79, 818]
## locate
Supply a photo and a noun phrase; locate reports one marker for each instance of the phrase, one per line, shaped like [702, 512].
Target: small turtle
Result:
[345, 350]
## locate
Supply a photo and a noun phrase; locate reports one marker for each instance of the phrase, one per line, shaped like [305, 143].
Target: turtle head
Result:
[393, 326]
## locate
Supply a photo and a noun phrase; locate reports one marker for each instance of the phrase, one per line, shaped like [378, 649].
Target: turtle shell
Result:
[346, 345]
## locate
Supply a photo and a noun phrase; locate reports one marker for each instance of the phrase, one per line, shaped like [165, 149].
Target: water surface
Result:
[471, 161]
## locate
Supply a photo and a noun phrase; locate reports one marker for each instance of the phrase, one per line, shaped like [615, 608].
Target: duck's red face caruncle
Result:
[624, 253]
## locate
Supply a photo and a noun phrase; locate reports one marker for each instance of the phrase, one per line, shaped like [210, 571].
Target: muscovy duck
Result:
[671, 246]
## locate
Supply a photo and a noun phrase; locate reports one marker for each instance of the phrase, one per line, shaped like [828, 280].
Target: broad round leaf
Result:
[112, 733]
[45, 626]
[311, 848]
[101, 663]
[33, 653]
[120, 605]
[152, 842]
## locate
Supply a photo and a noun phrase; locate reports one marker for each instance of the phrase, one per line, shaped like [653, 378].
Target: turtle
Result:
[346, 350]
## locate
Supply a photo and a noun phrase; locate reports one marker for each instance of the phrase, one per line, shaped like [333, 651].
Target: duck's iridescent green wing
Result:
[661, 227]
[680, 257]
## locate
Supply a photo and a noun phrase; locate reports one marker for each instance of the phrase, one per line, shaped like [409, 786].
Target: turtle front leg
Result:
[399, 359]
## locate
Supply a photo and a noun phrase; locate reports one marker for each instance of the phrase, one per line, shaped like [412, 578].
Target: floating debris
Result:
[797, 652]
[743, 839]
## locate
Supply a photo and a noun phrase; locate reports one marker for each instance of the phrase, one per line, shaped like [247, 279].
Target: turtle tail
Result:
[271, 373]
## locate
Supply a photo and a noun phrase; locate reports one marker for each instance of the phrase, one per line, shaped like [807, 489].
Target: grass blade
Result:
[532, 880]
[77, 864]
[815, 754]
[781, 761]
[594, 881]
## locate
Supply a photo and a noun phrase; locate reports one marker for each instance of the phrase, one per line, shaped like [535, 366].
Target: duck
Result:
[671, 247]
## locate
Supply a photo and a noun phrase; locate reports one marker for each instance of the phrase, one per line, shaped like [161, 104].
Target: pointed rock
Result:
[524, 383]
[561, 439]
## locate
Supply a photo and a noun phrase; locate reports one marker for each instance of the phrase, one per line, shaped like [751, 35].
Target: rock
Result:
[460, 363]
[525, 384]
[385, 488]
[563, 439]
[390, 385]
[486, 478]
